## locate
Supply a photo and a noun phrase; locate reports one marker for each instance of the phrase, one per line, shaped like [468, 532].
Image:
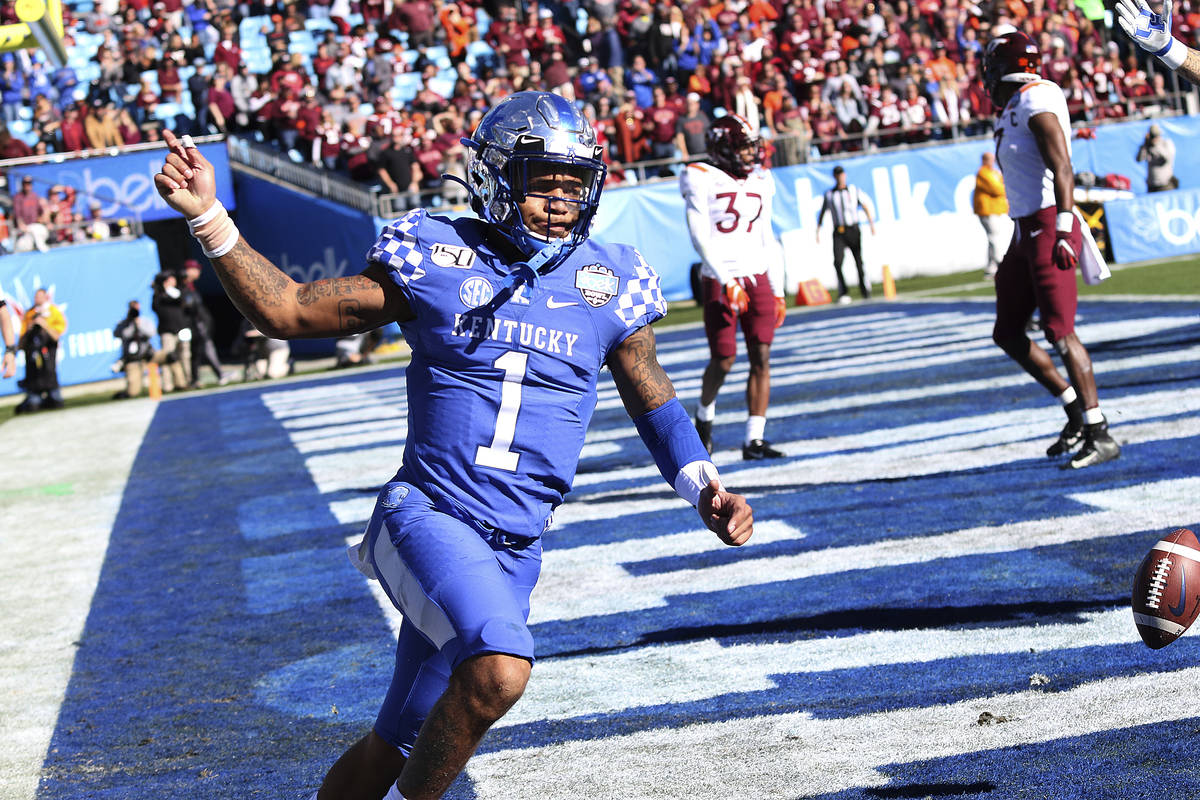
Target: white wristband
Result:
[693, 477]
[215, 231]
[207, 216]
[1064, 222]
[1175, 55]
[225, 246]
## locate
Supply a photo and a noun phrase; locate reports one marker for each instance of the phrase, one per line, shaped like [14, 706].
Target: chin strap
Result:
[528, 272]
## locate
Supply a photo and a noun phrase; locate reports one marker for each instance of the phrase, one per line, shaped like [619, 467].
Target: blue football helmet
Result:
[524, 130]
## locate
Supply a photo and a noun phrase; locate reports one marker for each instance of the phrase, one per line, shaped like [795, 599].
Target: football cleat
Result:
[705, 430]
[758, 450]
[1098, 447]
[1071, 435]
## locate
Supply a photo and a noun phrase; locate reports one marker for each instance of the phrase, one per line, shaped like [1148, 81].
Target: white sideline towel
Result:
[1091, 262]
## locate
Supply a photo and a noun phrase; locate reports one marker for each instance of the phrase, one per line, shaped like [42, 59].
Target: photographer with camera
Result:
[42, 327]
[1159, 153]
[135, 333]
[174, 328]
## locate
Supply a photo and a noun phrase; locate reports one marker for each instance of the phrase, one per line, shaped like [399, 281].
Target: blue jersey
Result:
[502, 382]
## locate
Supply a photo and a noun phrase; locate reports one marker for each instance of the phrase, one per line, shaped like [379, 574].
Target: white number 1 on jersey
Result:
[497, 454]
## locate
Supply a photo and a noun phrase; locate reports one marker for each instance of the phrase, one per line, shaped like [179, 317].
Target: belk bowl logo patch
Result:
[452, 255]
[597, 283]
[475, 292]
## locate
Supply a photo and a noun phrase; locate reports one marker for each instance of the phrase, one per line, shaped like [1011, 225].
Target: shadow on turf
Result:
[870, 619]
[932, 789]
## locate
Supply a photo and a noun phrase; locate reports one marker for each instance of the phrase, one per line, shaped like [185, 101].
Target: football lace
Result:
[1158, 582]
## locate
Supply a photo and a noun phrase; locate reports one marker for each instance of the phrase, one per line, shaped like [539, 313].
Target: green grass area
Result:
[1177, 277]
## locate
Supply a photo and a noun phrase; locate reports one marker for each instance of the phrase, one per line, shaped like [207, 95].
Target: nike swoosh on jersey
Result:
[1038, 232]
[552, 303]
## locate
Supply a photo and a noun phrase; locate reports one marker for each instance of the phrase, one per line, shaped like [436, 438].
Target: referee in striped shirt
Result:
[845, 204]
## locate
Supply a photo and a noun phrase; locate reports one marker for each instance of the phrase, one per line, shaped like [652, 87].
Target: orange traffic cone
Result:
[889, 283]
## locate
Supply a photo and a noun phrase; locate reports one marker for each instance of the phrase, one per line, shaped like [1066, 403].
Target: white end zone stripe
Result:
[407, 595]
[1162, 624]
[1176, 549]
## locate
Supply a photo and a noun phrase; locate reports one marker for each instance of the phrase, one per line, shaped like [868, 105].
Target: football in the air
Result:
[1166, 589]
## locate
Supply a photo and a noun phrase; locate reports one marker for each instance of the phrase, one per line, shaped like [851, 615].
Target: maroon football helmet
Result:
[1010, 58]
[734, 146]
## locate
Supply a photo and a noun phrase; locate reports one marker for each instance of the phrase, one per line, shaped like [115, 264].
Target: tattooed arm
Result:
[284, 309]
[641, 380]
[272, 301]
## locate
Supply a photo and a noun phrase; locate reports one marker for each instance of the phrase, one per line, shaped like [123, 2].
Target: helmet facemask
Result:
[536, 146]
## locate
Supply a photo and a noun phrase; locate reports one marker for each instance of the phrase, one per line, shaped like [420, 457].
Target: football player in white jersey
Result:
[511, 318]
[728, 200]
[1152, 32]
[1038, 272]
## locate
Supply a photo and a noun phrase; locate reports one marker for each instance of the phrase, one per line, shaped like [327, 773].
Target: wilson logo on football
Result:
[597, 284]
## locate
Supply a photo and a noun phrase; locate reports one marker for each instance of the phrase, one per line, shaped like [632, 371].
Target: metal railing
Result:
[270, 161]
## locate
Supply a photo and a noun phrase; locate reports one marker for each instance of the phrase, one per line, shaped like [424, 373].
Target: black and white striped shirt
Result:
[843, 205]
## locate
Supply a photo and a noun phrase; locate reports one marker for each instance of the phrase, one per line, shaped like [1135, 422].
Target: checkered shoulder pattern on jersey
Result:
[502, 381]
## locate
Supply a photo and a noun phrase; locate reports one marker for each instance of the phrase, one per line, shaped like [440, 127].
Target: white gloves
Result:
[1152, 31]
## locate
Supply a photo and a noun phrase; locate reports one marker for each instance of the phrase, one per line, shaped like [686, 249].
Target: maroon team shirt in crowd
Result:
[662, 123]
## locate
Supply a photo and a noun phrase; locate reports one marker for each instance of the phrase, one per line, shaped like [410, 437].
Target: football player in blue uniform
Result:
[510, 318]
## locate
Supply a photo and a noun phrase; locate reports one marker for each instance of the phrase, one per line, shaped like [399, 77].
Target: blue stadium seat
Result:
[443, 85]
[167, 111]
[320, 25]
[480, 51]
[439, 55]
[354, 19]
[25, 113]
[405, 87]
[88, 72]
[302, 42]
[250, 31]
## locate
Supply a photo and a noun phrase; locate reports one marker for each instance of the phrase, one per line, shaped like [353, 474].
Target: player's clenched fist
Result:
[780, 311]
[726, 514]
[186, 181]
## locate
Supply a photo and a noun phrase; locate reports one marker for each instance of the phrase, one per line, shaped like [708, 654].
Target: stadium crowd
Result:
[384, 90]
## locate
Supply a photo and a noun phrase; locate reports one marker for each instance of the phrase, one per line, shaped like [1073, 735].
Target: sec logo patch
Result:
[475, 292]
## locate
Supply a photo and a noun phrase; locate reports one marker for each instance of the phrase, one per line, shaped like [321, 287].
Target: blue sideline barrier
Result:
[92, 284]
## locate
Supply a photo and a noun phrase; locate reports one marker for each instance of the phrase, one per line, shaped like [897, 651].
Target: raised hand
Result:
[186, 181]
[1151, 31]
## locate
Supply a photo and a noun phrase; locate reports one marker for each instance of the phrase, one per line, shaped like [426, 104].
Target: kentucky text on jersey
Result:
[509, 331]
[502, 384]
